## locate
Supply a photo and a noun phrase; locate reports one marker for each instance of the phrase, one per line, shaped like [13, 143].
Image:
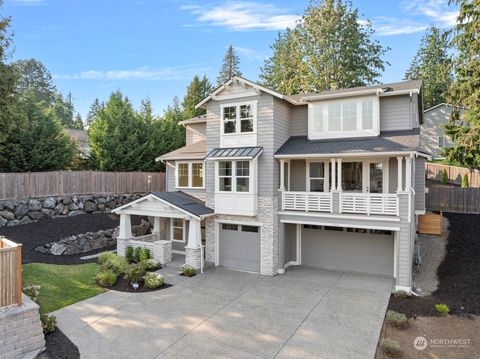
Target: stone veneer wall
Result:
[267, 214]
[21, 332]
[25, 211]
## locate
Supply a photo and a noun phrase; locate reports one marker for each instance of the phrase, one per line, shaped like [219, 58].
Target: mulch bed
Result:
[59, 346]
[458, 274]
[123, 285]
[49, 230]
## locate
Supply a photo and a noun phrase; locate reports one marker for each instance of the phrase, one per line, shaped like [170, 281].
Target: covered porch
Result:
[177, 226]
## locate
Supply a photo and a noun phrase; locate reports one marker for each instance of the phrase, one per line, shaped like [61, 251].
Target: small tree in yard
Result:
[444, 177]
[465, 183]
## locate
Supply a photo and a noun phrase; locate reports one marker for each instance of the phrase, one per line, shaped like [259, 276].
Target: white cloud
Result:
[438, 11]
[386, 26]
[250, 54]
[243, 16]
[143, 73]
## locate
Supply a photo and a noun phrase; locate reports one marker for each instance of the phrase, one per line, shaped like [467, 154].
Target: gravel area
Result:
[432, 251]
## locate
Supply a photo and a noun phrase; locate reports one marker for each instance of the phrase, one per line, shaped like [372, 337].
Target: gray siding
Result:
[170, 182]
[299, 121]
[396, 113]
[195, 132]
[432, 129]
[281, 133]
[348, 251]
[298, 175]
[290, 242]
[419, 179]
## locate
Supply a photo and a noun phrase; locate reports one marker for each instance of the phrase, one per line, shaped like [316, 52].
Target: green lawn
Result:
[62, 285]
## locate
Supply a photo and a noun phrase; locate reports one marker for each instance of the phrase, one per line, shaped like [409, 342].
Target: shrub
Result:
[49, 323]
[115, 264]
[443, 309]
[105, 257]
[136, 254]
[465, 183]
[152, 265]
[390, 347]
[107, 278]
[135, 272]
[400, 294]
[32, 291]
[153, 280]
[444, 177]
[143, 254]
[129, 254]
[397, 320]
[187, 270]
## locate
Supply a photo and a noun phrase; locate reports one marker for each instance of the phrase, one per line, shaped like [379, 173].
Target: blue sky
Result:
[154, 47]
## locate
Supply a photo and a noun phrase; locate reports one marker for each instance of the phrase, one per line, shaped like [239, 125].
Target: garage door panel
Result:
[348, 251]
[239, 250]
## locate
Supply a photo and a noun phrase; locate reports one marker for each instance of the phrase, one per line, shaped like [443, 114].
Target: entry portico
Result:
[165, 205]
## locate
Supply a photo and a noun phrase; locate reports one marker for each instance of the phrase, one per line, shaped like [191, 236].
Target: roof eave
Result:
[355, 154]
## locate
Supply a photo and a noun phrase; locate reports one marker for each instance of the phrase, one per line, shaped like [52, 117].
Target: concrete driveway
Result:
[306, 313]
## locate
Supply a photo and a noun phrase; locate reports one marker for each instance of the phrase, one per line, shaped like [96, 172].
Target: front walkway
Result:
[305, 313]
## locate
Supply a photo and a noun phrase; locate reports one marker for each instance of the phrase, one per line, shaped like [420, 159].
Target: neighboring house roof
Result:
[443, 104]
[79, 135]
[236, 152]
[388, 141]
[195, 151]
[198, 119]
[185, 202]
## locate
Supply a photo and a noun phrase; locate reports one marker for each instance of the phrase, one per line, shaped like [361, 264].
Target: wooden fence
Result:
[455, 174]
[10, 273]
[449, 199]
[43, 184]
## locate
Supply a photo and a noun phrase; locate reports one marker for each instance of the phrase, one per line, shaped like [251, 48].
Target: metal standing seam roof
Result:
[388, 141]
[235, 152]
[186, 202]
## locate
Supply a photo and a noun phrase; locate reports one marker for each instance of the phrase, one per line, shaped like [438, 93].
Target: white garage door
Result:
[239, 247]
[331, 248]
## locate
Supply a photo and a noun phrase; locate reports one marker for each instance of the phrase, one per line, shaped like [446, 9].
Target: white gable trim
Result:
[133, 208]
[237, 79]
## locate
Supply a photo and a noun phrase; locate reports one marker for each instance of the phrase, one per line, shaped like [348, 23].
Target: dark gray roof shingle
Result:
[186, 202]
[391, 141]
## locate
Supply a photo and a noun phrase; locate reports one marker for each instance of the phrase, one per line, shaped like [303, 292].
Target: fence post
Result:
[19, 274]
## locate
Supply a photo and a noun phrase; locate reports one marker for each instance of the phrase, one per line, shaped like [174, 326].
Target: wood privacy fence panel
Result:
[455, 174]
[59, 183]
[10, 273]
[458, 200]
[430, 223]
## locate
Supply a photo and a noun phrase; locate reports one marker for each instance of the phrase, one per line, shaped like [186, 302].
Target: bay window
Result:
[354, 117]
[234, 176]
[238, 118]
[190, 175]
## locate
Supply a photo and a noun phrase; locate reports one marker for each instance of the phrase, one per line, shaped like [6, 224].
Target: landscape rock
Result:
[75, 213]
[59, 208]
[49, 203]
[21, 210]
[89, 206]
[25, 220]
[72, 206]
[58, 248]
[36, 215]
[15, 222]
[3, 222]
[9, 205]
[7, 214]
[34, 205]
[48, 212]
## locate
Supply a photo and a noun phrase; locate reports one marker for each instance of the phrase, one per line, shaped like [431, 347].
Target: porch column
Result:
[333, 174]
[125, 227]
[339, 170]
[156, 227]
[408, 173]
[193, 250]
[282, 175]
[399, 174]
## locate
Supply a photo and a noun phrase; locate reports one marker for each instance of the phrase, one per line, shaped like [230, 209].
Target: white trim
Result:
[178, 252]
[217, 243]
[342, 216]
[281, 270]
[395, 254]
[408, 290]
[253, 107]
[420, 211]
[347, 155]
[241, 223]
[184, 228]
[375, 91]
[298, 230]
[343, 225]
[400, 92]
[235, 96]
[251, 177]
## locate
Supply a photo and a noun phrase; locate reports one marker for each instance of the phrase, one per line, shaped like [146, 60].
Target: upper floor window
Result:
[344, 118]
[234, 176]
[190, 175]
[239, 118]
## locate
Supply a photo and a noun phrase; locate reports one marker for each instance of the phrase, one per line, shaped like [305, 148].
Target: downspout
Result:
[411, 112]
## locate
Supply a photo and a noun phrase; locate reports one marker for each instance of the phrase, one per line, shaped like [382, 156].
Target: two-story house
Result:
[330, 180]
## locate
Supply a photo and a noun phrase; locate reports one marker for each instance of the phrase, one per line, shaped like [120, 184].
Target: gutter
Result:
[345, 155]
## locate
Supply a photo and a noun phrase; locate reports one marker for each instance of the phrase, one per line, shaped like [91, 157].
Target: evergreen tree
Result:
[78, 122]
[230, 66]
[94, 108]
[34, 78]
[464, 92]
[197, 90]
[328, 49]
[169, 132]
[64, 109]
[432, 64]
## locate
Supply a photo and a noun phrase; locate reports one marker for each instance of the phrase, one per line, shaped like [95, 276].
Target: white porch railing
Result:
[307, 201]
[369, 203]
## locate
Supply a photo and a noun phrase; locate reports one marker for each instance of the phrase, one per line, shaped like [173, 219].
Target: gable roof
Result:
[185, 202]
[194, 151]
[388, 141]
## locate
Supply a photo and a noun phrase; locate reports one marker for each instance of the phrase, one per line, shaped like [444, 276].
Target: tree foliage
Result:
[329, 48]
[432, 64]
[230, 66]
[197, 90]
[464, 93]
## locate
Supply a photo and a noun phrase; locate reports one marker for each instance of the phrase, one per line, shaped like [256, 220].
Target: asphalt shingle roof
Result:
[196, 150]
[186, 202]
[388, 141]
